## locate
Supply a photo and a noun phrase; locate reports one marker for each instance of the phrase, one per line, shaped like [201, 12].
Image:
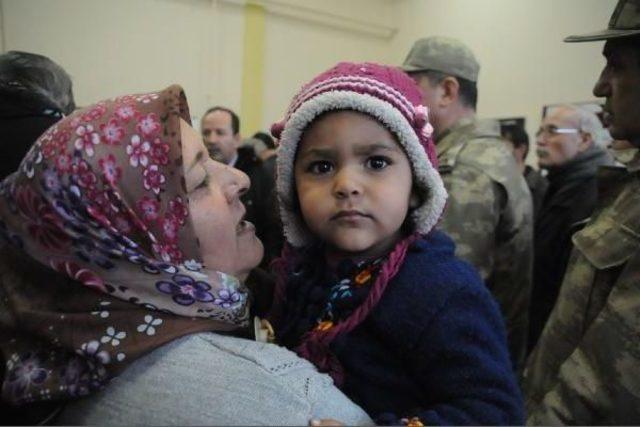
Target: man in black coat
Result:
[570, 146]
[35, 93]
[220, 128]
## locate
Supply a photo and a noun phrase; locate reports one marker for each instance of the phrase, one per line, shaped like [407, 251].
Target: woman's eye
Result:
[377, 162]
[320, 167]
[203, 184]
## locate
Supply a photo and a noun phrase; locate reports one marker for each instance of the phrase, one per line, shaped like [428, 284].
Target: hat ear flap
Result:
[414, 199]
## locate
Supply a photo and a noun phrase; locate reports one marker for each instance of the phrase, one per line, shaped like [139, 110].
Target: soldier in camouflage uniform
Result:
[586, 366]
[489, 213]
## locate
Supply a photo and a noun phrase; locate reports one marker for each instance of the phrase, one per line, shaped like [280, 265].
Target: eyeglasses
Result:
[553, 130]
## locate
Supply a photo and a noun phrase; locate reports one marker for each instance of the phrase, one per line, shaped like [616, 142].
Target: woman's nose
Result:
[234, 182]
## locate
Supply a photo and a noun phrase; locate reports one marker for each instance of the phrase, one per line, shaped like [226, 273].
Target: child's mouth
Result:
[349, 215]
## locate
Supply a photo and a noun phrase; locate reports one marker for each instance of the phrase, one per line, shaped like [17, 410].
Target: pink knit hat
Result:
[388, 95]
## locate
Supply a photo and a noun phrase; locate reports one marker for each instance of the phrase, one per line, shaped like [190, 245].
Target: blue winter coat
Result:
[434, 347]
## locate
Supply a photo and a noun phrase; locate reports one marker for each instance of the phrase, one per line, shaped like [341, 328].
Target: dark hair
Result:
[468, 90]
[264, 137]
[632, 42]
[518, 137]
[235, 120]
[40, 75]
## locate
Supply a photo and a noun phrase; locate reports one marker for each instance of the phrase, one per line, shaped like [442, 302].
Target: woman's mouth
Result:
[245, 226]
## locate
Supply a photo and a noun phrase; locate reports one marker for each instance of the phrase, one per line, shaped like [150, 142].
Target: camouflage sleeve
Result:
[599, 383]
[472, 214]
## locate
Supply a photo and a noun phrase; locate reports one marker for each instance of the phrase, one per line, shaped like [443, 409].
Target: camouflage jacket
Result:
[586, 366]
[490, 217]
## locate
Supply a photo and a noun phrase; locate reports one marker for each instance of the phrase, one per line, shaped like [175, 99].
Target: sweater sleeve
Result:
[462, 364]
[327, 401]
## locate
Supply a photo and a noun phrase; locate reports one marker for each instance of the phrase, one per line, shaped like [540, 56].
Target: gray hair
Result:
[588, 122]
[38, 74]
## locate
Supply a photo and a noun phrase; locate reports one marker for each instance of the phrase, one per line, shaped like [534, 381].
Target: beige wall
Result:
[119, 46]
[2, 48]
[298, 50]
[116, 46]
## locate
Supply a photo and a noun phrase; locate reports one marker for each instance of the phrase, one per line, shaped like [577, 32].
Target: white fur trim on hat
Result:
[425, 176]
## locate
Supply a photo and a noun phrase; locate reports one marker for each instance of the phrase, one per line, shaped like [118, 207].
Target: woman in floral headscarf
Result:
[122, 244]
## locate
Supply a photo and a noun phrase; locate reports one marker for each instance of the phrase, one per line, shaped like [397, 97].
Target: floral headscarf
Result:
[100, 263]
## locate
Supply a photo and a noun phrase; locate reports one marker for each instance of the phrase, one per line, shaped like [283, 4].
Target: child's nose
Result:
[346, 184]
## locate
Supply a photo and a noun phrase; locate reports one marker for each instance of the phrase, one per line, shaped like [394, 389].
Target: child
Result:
[368, 290]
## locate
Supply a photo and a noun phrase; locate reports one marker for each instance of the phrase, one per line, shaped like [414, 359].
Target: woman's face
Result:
[227, 242]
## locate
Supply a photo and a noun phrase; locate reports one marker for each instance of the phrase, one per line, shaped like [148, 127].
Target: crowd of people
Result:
[382, 256]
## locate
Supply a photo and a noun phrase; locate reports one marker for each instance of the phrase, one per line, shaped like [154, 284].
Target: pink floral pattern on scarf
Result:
[98, 243]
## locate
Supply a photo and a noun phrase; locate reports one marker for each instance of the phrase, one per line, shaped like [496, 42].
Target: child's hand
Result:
[328, 422]
[412, 422]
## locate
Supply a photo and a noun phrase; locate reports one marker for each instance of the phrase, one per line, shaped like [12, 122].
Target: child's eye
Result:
[320, 167]
[378, 162]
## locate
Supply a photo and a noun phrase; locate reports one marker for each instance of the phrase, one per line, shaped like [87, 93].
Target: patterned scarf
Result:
[352, 287]
[317, 300]
[99, 262]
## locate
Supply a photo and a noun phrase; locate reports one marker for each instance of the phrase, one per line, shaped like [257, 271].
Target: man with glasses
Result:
[489, 212]
[585, 369]
[571, 146]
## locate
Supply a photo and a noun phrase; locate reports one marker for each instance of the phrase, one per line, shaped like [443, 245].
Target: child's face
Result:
[354, 184]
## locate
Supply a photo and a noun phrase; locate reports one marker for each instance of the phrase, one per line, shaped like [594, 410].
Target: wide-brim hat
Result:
[625, 22]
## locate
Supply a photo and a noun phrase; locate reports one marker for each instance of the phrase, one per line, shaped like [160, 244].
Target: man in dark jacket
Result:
[221, 132]
[570, 145]
[35, 93]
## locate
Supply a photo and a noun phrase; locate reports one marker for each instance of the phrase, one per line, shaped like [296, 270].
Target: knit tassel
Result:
[315, 344]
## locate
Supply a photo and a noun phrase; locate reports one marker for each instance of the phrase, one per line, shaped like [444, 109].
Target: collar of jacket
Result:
[451, 142]
[613, 234]
[582, 166]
